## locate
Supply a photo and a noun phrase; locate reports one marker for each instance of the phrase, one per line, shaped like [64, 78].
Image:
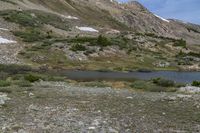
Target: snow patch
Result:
[69, 17]
[4, 40]
[162, 18]
[3, 29]
[87, 29]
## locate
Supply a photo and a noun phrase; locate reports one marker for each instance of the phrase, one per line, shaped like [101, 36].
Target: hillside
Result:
[92, 34]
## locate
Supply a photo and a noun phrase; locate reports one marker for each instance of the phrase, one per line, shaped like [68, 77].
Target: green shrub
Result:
[30, 35]
[78, 47]
[20, 17]
[103, 41]
[24, 83]
[14, 69]
[194, 54]
[4, 83]
[180, 43]
[83, 40]
[3, 75]
[139, 85]
[32, 77]
[196, 83]
[148, 86]
[164, 82]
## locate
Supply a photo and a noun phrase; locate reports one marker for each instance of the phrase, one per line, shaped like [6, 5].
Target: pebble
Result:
[91, 128]
[129, 97]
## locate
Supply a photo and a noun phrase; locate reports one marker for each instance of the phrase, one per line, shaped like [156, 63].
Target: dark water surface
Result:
[181, 77]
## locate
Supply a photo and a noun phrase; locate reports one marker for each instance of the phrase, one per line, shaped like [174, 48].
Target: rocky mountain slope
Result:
[110, 14]
[84, 34]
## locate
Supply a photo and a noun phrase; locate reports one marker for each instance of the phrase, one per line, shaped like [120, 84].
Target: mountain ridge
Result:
[131, 14]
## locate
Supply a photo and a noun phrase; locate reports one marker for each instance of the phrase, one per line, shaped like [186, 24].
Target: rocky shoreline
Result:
[63, 107]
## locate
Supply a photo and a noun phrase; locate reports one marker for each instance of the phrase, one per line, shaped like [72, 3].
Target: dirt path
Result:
[59, 107]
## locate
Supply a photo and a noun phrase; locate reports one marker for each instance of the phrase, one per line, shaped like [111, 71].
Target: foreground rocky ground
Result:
[61, 107]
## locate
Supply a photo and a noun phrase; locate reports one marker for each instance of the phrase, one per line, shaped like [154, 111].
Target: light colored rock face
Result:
[190, 89]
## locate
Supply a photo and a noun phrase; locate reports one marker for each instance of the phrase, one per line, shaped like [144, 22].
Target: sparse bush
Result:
[148, 86]
[24, 83]
[4, 83]
[30, 35]
[14, 69]
[163, 82]
[20, 17]
[78, 47]
[139, 85]
[32, 77]
[103, 41]
[180, 43]
[196, 83]
[83, 40]
[3, 75]
[194, 54]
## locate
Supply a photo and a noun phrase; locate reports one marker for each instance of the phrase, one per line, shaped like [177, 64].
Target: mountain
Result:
[110, 14]
[86, 22]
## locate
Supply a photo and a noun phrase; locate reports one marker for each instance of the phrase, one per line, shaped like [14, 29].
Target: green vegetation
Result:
[96, 84]
[4, 83]
[14, 69]
[32, 77]
[78, 39]
[43, 48]
[34, 18]
[19, 17]
[139, 85]
[158, 86]
[196, 83]
[31, 35]
[78, 47]
[103, 41]
[23, 83]
[23, 76]
[180, 43]
[193, 54]
[163, 82]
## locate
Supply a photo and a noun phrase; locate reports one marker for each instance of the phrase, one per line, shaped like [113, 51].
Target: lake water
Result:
[181, 77]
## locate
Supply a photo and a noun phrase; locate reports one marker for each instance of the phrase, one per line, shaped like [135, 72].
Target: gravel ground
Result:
[65, 108]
